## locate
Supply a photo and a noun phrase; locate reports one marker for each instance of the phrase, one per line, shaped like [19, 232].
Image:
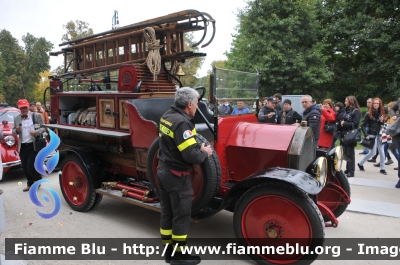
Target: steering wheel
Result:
[201, 88]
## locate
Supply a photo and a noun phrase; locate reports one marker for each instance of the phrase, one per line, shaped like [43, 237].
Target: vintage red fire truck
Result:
[108, 104]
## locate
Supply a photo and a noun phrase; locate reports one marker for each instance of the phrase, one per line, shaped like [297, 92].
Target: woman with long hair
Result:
[328, 115]
[374, 119]
[350, 122]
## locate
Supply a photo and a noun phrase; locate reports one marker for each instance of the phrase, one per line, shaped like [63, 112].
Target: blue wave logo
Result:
[35, 199]
[43, 167]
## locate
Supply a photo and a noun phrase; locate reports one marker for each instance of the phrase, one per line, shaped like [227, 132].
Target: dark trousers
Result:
[176, 206]
[348, 151]
[27, 155]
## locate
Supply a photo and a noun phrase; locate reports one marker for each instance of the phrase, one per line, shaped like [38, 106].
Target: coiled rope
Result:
[153, 60]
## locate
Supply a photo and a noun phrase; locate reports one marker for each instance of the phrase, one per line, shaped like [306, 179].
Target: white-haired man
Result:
[179, 151]
[312, 114]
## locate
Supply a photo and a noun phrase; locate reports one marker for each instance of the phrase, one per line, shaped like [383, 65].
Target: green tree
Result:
[219, 64]
[22, 65]
[190, 66]
[41, 86]
[365, 44]
[2, 76]
[285, 42]
[76, 30]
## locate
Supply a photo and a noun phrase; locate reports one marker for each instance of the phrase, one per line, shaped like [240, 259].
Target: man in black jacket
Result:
[267, 113]
[288, 115]
[178, 152]
[312, 114]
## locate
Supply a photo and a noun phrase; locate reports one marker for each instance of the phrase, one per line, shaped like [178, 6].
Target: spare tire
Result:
[205, 177]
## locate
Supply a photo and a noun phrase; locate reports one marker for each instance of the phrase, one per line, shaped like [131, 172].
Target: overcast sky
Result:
[45, 18]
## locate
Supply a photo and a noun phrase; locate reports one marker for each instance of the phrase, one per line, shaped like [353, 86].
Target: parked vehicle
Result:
[8, 145]
[270, 176]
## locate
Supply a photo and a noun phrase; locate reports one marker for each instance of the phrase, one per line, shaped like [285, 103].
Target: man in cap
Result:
[267, 113]
[27, 127]
[288, 115]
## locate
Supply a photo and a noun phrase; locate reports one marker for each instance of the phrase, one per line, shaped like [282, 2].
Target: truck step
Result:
[117, 194]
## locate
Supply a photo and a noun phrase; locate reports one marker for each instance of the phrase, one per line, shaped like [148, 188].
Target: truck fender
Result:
[297, 178]
[92, 164]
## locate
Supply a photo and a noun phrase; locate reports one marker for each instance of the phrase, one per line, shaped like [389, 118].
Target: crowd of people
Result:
[331, 121]
[44, 111]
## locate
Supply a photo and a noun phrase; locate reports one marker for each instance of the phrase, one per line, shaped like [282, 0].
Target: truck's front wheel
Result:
[274, 214]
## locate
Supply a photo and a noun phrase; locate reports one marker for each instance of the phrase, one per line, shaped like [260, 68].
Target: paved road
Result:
[374, 213]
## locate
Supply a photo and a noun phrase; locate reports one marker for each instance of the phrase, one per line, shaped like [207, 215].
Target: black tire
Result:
[81, 196]
[342, 181]
[211, 178]
[260, 208]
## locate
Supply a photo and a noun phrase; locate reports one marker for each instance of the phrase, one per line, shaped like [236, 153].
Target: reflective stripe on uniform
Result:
[166, 122]
[186, 144]
[179, 242]
[166, 236]
[165, 232]
[179, 238]
[166, 131]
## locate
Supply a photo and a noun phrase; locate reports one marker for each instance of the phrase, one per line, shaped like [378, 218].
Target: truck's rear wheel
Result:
[76, 185]
[205, 177]
[332, 197]
[276, 214]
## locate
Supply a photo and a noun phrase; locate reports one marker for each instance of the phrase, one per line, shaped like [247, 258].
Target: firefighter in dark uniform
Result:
[179, 151]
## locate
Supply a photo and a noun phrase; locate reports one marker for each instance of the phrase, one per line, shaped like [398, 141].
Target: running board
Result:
[117, 194]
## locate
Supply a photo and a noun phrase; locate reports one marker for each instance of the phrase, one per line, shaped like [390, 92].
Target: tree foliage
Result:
[285, 42]
[365, 47]
[326, 48]
[190, 66]
[22, 65]
[76, 30]
[41, 86]
[2, 77]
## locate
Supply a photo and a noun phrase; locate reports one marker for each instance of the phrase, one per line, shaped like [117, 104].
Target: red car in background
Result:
[8, 145]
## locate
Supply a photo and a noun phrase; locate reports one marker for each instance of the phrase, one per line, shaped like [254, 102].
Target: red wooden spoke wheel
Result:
[331, 197]
[273, 214]
[74, 183]
[76, 186]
